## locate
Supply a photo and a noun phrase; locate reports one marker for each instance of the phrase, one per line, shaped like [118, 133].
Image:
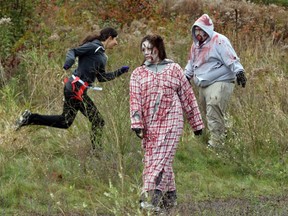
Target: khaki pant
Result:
[214, 100]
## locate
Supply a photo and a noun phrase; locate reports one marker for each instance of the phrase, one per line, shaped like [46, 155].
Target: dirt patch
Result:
[256, 206]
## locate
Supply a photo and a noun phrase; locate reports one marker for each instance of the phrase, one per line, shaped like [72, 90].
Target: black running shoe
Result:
[23, 119]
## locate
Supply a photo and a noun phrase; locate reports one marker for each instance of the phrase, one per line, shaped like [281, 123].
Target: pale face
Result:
[150, 53]
[111, 42]
[200, 34]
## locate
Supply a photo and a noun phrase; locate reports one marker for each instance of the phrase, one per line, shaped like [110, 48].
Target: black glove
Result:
[198, 132]
[241, 78]
[139, 132]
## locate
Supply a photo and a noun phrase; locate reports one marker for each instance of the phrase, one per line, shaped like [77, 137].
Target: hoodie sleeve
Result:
[188, 71]
[103, 76]
[75, 52]
[229, 56]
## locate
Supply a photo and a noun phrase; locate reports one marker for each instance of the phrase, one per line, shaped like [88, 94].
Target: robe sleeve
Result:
[135, 101]
[188, 102]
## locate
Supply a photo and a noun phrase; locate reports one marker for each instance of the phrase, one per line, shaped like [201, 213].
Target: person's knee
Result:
[98, 125]
[214, 102]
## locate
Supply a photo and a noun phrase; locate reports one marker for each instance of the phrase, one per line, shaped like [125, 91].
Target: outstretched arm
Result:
[102, 76]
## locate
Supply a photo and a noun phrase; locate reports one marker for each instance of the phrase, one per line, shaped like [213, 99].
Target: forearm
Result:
[70, 59]
[188, 71]
[236, 67]
[104, 77]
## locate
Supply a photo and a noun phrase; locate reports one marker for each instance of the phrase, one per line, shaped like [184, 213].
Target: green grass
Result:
[49, 171]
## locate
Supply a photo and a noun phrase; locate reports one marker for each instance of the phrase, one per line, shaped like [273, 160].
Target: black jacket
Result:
[91, 62]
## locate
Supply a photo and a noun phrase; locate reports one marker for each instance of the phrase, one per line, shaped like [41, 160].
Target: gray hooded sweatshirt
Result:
[213, 61]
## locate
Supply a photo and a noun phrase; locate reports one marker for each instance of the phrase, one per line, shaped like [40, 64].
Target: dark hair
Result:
[104, 34]
[156, 41]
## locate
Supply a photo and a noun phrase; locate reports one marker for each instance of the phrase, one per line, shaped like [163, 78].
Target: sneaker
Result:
[146, 205]
[23, 119]
[215, 145]
[149, 207]
[211, 144]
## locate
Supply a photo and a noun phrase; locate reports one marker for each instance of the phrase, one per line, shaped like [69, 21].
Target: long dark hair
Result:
[158, 42]
[104, 34]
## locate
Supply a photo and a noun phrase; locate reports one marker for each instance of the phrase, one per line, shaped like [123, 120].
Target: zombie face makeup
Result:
[150, 53]
[200, 34]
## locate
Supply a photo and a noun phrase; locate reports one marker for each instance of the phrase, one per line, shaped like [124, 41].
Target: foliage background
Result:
[48, 171]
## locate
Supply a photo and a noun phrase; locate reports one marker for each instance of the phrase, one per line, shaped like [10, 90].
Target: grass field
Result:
[48, 171]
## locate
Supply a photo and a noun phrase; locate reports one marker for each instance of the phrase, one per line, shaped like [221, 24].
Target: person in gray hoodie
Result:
[91, 66]
[214, 66]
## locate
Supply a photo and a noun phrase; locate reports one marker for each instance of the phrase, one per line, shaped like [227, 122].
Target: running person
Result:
[91, 66]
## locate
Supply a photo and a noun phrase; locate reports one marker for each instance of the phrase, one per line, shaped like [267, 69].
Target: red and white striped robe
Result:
[158, 99]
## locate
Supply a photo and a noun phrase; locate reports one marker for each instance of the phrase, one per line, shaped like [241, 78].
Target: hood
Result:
[205, 23]
[99, 45]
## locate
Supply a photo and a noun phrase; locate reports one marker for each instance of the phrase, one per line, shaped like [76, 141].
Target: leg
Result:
[59, 121]
[91, 112]
[157, 195]
[153, 199]
[64, 120]
[217, 97]
[170, 199]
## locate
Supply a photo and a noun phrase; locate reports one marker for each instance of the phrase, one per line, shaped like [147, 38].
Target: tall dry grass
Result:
[49, 171]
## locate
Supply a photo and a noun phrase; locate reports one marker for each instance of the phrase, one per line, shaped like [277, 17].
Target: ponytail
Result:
[104, 35]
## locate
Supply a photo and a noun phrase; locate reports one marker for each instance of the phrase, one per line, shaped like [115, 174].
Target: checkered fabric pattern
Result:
[157, 101]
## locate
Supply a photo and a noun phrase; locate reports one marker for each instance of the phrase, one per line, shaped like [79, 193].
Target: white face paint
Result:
[150, 53]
